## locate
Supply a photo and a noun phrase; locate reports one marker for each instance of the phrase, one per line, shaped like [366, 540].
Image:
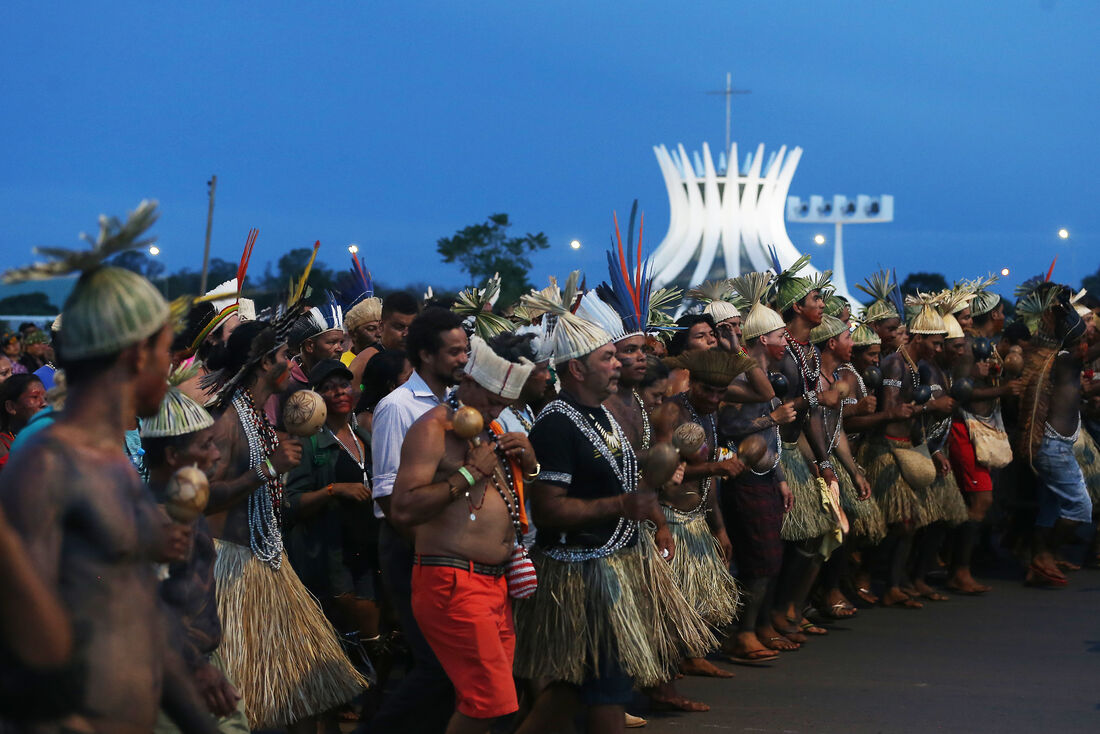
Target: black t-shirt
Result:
[569, 459]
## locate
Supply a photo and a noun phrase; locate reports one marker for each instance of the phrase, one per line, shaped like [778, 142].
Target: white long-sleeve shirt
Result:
[393, 416]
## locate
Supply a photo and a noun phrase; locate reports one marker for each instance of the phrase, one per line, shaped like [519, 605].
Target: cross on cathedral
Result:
[728, 92]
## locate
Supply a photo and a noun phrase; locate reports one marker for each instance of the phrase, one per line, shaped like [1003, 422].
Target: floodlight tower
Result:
[840, 211]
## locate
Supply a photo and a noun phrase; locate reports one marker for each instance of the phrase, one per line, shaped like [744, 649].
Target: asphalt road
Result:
[1015, 660]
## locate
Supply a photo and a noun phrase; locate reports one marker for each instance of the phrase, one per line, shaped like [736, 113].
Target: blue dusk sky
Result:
[392, 124]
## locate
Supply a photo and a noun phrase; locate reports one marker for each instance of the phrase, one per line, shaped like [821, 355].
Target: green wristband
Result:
[467, 475]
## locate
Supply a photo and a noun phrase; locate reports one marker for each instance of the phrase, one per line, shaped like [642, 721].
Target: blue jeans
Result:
[1062, 491]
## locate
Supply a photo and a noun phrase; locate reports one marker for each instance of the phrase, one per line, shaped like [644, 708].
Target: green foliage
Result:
[485, 249]
[34, 303]
[923, 282]
[1091, 283]
[140, 262]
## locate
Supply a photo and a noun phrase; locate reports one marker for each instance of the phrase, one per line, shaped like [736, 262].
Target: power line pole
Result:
[212, 184]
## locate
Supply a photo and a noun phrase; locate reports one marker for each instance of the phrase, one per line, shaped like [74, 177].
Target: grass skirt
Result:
[282, 654]
[697, 564]
[807, 519]
[943, 501]
[896, 499]
[1088, 456]
[864, 516]
[627, 605]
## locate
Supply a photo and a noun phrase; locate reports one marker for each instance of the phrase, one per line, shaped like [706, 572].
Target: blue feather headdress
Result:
[629, 279]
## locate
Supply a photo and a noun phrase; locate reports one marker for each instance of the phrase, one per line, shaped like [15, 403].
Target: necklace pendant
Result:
[472, 517]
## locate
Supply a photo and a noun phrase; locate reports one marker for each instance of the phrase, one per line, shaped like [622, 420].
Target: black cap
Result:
[325, 369]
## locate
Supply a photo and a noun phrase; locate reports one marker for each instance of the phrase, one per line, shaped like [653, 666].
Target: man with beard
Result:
[296, 669]
[461, 497]
[181, 435]
[437, 346]
[608, 614]
[90, 527]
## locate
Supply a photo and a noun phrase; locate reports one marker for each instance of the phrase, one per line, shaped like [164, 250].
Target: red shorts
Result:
[970, 475]
[467, 619]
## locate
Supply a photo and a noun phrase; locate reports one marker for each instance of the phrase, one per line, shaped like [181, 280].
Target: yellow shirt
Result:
[346, 358]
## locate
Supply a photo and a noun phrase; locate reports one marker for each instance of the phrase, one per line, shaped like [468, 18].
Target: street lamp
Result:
[353, 248]
[1063, 233]
[1004, 272]
[575, 244]
[819, 239]
[154, 250]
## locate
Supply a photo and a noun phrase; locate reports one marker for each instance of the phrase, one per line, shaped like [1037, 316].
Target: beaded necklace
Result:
[523, 420]
[914, 373]
[807, 358]
[359, 457]
[712, 440]
[839, 413]
[502, 477]
[625, 472]
[647, 430]
[265, 502]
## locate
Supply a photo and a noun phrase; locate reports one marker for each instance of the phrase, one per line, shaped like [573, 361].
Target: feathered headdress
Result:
[364, 307]
[110, 308]
[226, 297]
[881, 290]
[927, 319]
[629, 283]
[476, 305]
[753, 288]
[572, 336]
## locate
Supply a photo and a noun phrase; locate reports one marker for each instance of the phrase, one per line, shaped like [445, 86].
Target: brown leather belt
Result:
[451, 562]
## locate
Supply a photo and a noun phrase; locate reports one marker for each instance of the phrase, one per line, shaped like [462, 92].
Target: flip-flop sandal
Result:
[969, 592]
[810, 628]
[907, 603]
[784, 638]
[1067, 565]
[1044, 579]
[837, 611]
[936, 596]
[755, 659]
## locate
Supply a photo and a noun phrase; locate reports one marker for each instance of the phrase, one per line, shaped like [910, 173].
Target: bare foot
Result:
[898, 599]
[772, 640]
[665, 696]
[785, 627]
[928, 592]
[703, 667]
[962, 582]
[745, 648]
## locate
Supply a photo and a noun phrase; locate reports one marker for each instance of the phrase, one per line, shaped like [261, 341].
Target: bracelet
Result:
[328, 489]
[535, 473]
[259, 469]
[467, 475]
[811, 398]
[825, 464]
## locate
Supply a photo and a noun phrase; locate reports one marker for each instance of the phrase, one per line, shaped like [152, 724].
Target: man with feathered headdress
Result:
[305, 673]
[608, 613]
[73, 496]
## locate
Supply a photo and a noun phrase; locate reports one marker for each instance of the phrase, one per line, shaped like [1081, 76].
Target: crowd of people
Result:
[469, 516]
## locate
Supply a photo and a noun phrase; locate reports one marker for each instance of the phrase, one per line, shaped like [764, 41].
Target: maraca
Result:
[963, 390]
[872, 378]
[922, 394]
[661, 463]
[186, 495]
[752, 450]
[983, 349]
[689, 438]
[467, 422]
[304, 413]
[779, 384]
[1014, 364]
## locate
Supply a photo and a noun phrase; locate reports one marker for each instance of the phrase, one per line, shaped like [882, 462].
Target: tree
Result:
[139, 262]
[923, 282]
[34, 303]
[1091, 283]
[485, 249]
